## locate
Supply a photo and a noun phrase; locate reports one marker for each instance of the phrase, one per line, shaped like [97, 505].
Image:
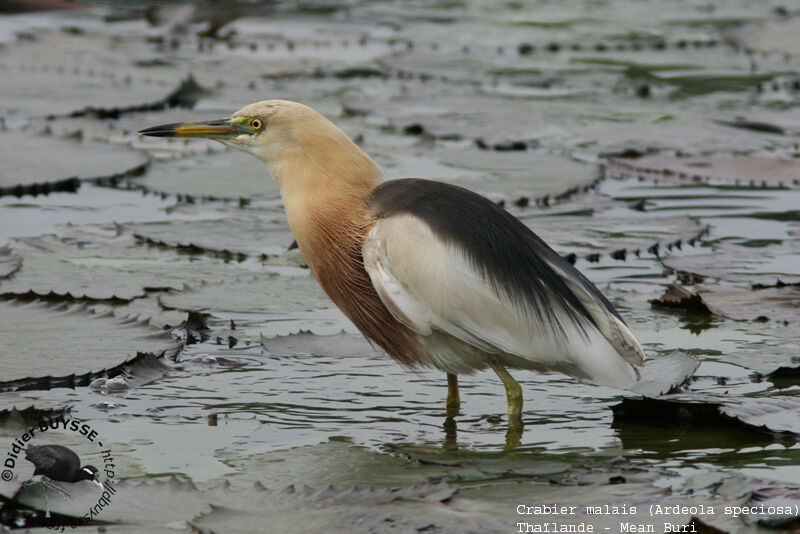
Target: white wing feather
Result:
[429, 286]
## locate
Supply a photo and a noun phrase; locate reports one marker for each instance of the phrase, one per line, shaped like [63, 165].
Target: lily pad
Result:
[22, 418]
[225, 175]
[594, 235]
[679, 298]
[24, 171]
[69, 344]
[51, 90]
[232, 232]
[117, 271]
[142, 503]
[255, 294]
[776, 303]
[767, 266]
[145, 308]
[411, 509]
[511, 176]
[740, 170]
[665, 374]
[9, 262]
[736, 423]
[777, 36]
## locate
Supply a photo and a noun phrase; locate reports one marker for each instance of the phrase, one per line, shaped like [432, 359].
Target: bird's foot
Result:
[56, 488]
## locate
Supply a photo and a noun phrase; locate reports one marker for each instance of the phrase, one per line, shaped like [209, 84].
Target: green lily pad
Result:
[23, 170]
[511, 176]
[142, 503]
[741, 170]
[145, 308]
[766, 266]
[69, 344]
[776, 303]
[665, 374]
[777, 36]
[232, 232]
[687, 418]
[224, 175]
[255, 294]
[9, 262]
[117, 271]
[594, 235]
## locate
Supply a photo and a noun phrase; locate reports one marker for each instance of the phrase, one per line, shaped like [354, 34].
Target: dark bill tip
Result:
[211, 129]
[164, 130]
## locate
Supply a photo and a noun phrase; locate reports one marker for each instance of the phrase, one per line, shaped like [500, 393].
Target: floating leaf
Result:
[411, 509]
[598, 235]
[144, 308]
[120, 271]
[24, 171]
[777, 303]
[767, 266]
[14, 417]
[255, 294]
[512, 176]
[142, 503]
[41, 90]
[778, 36]
[9, 262]
[680, 298]
[69, 344]
[742, 170]
[700, 421]
[232, 232]
[224, 175]
[665, 373]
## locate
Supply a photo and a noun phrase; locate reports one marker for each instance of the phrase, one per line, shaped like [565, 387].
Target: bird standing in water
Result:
[434, 274]
[61, 464]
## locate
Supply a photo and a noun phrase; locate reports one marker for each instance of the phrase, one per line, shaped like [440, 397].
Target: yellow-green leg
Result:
[513, 392]
[453, 399]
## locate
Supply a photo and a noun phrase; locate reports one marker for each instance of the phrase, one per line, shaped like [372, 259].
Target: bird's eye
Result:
[256, 124]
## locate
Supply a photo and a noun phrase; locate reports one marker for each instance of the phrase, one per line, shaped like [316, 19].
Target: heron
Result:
[434, 274]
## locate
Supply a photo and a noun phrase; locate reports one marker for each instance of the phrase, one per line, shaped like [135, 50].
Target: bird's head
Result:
[292, 139]
[89, 472]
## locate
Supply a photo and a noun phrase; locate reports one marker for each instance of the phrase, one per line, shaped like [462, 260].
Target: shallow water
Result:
[123, 245]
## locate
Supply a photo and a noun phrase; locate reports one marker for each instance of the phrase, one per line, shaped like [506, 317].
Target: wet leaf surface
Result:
[740, 170]
[779, 303]
[118, 270]
[665, 374]
[223, 175]
[735, 423]
[273, 294]
[230, 232]
[69, 344]
[9, 262]
[24, 171]
[769, 265]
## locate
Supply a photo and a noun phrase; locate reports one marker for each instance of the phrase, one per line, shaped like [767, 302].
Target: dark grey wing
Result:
[45, 457]
[443, 257]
